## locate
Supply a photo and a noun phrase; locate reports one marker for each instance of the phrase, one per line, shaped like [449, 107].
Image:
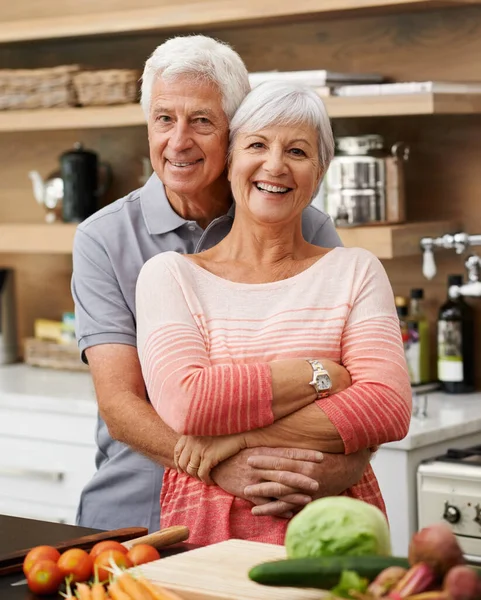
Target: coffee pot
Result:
[73, 192]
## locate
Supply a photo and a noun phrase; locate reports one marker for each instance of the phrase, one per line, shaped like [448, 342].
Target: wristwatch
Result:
[321, 381]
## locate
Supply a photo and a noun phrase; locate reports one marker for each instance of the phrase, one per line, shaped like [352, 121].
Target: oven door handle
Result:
[475, 560]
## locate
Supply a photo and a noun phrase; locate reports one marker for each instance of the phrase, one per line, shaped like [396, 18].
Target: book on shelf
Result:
[408, 87]
[314, 78]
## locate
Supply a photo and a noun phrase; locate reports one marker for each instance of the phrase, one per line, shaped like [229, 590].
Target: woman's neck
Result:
[204, 207]
[263, 244]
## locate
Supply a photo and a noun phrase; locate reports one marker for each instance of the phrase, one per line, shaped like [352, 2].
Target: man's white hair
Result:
[278, 103]
[203, 58]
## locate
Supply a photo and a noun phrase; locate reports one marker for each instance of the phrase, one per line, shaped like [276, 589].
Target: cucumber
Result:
[323, 572]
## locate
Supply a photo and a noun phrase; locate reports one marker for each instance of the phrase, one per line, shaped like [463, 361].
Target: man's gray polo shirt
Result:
[109, 250]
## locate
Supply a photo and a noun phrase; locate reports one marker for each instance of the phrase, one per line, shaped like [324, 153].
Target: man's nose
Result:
[180, 138]
[275, 162]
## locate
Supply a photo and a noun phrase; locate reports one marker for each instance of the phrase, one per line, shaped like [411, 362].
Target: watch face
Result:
[324, 382]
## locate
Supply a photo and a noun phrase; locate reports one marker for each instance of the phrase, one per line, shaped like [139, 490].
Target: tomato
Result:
[77, 563]
[143, 553]
[106, 545]
[104, 560]
[44, 577]
[39, 553]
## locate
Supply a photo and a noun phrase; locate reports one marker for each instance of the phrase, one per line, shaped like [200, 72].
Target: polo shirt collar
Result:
[159, 216]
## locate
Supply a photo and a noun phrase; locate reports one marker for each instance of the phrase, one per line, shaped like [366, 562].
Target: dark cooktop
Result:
[466, 456]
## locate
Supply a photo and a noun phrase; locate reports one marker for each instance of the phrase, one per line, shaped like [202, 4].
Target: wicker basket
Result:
[114, 86]
[37, 88]
[40, 353]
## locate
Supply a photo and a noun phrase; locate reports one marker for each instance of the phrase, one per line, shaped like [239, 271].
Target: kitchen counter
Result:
[448, 416]
[25, 387]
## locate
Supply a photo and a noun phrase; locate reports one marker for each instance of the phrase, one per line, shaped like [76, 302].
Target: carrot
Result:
[117, 593]
[98, 591]
[132, 587]
[157, 592]
[83, 591]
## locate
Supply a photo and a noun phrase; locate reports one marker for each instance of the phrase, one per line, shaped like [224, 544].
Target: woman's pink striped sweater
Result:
[205, 344]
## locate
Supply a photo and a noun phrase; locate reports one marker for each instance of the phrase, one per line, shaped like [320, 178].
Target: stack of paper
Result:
[314, 78]
[408, 87]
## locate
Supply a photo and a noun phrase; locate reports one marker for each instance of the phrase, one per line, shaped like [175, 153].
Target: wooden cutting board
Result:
[219, 572]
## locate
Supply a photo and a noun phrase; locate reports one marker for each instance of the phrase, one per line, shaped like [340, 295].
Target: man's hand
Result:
[294, 488]
[334, 474]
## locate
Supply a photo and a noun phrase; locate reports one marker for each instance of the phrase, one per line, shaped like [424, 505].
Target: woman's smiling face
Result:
[274, 172]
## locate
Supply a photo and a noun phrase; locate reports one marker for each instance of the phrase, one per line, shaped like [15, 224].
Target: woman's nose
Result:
[275, 163]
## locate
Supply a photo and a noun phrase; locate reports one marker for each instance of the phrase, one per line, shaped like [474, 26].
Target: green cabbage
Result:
[338, 526]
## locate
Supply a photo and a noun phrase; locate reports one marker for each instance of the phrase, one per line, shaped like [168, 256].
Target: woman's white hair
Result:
[278, 103]
[203, 58]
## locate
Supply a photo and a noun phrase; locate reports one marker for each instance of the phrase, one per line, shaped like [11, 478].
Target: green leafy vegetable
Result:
[338, 526]
[350, 582]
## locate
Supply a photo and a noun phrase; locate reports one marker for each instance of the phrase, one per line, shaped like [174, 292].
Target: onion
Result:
[436, 546]
[462, 583]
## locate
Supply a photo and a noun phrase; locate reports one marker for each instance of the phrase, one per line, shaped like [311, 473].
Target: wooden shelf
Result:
[41, 238]
[385, 241]
[195, 15]
[91, 117]
[394, 241]
[129, 115]
[403, 104]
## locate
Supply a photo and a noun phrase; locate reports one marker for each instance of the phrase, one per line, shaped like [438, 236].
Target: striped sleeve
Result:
[190, 394]
[376, 408]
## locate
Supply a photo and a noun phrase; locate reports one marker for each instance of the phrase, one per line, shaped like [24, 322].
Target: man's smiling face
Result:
[188, 134]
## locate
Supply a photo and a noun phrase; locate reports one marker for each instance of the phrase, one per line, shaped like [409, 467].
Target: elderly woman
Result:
[236, 338]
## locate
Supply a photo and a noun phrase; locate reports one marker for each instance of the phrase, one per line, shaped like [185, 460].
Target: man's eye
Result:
[163, 118]
[202, 121]
[297, 152]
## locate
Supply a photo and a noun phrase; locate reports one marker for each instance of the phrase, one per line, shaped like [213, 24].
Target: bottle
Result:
[456, 343]
[402, 313]
[417, 349]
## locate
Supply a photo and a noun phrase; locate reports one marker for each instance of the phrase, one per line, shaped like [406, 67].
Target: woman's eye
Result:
[297, 152]
[256, 145]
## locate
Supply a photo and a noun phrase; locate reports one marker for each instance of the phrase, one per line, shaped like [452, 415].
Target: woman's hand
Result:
[198, 455]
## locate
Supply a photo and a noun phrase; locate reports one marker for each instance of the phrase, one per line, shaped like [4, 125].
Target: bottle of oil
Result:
[456, 343]
[417, 349]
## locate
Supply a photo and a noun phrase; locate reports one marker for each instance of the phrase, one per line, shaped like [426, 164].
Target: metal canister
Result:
[365, 182]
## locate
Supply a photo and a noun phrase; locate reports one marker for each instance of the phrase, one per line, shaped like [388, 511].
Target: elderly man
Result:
[185, 206]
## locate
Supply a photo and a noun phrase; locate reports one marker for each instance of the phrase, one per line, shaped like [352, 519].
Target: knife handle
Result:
[162, 538]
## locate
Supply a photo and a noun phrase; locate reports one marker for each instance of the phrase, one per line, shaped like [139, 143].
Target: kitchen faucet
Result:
[459, 242]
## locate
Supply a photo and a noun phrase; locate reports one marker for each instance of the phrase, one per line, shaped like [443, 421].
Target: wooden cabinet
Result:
[47, 444]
